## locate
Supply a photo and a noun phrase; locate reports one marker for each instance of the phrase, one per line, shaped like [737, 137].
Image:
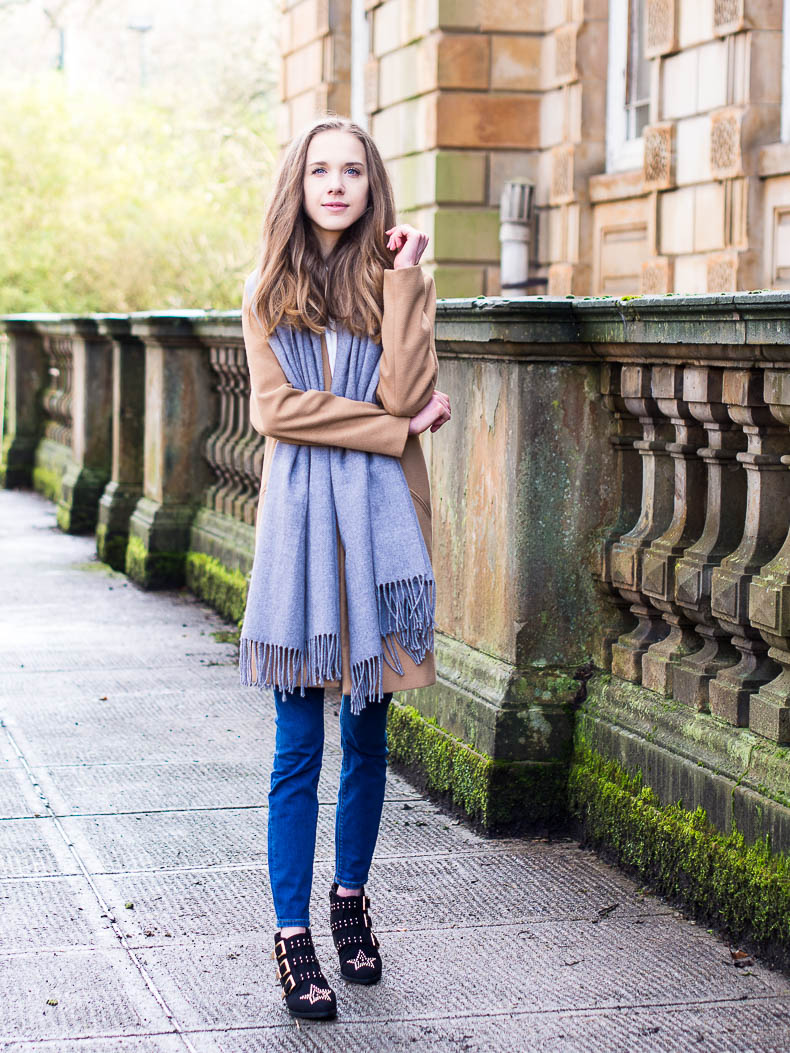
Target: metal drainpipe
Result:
[515, 217]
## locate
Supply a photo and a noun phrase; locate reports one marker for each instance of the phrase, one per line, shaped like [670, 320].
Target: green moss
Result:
[223, 589]
[111, 547]
[498, 794]
[47, 482]
[742, 889]
[153, 570]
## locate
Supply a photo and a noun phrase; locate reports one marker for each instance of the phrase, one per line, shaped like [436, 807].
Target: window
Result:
[628, 89]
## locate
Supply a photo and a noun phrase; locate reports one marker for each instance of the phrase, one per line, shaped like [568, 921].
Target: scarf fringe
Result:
[366, 679]
[279, 666]
[407, 609]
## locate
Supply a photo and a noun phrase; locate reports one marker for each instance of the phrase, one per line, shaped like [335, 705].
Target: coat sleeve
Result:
[409, 364]
[312, 418]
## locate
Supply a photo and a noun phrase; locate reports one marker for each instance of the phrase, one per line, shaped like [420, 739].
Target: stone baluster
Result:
[765, 524]
[769, 601]
[655, 516]
[214, 448]
[688, 514]
[88, 470]
[724, 512]
[128, 418]
[626, 430]
[58, 349]
[25, 379]
[246, 442]
[180, 407]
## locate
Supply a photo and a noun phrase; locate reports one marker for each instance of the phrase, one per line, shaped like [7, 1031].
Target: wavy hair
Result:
[294, 285]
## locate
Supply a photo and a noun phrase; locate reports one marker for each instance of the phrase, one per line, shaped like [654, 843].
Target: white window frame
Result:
[360, 46]
[785, 126]
[622, 153]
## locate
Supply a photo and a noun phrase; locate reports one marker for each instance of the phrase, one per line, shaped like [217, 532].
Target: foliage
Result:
[111, 206]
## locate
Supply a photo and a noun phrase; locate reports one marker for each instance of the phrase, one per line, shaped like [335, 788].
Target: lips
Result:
[336, 207]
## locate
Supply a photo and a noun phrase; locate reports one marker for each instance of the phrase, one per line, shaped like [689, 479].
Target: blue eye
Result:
[321, 168]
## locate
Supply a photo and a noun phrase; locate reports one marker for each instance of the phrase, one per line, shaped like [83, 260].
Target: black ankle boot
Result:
[305, 989]
[355, 941]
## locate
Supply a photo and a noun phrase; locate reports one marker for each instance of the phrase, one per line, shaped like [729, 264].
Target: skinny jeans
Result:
[293, 796]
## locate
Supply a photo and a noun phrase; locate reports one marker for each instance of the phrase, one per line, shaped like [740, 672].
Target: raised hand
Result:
[433, 415]
[408, 242]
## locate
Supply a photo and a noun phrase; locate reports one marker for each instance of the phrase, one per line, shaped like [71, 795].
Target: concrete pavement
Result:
[133, 886]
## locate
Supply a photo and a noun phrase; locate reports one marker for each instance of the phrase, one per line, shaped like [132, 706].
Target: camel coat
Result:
[407, 378]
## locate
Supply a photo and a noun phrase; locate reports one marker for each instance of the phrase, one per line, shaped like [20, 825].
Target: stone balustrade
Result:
[610, 520]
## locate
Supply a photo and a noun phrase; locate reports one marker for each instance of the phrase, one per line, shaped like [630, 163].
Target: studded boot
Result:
[355, 941]
[305, 989]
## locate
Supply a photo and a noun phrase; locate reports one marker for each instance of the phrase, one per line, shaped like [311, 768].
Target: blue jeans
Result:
[293, 796]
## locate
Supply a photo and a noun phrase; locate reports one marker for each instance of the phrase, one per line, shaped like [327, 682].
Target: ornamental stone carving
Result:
[661, 23]
[659, 166]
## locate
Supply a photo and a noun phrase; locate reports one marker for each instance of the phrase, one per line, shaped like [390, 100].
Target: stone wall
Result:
[611, 547]
[463, 96]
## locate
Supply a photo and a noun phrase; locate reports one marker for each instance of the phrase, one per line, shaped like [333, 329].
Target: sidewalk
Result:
[133, 882]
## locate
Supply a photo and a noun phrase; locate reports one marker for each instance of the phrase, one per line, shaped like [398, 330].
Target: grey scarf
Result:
[292, 620]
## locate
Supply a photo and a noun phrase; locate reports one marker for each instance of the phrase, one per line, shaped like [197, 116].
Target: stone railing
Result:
[610, 519]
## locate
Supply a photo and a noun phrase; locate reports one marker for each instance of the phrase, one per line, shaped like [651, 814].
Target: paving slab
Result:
[134, 888]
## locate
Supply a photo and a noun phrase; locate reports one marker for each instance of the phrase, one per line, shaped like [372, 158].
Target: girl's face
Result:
[335, 172]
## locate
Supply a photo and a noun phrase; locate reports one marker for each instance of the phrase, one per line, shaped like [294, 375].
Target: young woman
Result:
[338, 327]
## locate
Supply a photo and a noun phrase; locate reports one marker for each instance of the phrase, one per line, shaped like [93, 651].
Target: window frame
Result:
[622, 153]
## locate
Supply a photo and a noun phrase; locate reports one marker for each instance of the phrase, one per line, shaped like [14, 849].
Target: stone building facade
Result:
[656, 132]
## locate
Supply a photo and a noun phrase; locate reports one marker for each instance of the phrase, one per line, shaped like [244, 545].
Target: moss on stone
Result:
[498, 794]
[47, 482]
[223, 589]
[153, 570]
[111, 547]
[742, 889]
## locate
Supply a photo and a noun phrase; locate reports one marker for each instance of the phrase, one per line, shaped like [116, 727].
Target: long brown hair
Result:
[294, 285]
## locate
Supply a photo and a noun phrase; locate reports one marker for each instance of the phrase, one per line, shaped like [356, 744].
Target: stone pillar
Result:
[724, 514]
[128, 414]
[25, 372]
[91, 399]
[655, 516]
[659, 561]
[180, 409]
[628, 471]
[769, 601]
[765, 525]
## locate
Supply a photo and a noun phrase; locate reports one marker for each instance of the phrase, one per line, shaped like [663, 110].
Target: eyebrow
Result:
[360, 163]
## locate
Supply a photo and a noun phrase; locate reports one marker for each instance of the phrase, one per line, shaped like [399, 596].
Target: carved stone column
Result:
[658, 562]
[623, 437]
[769, 601]
[180, 409]
[765, 525]
[724, 512]
[24, 386]
[128, 416]
[655, 516]
[88, 469]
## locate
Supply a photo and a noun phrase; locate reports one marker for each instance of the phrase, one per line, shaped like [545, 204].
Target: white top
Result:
[331, 343]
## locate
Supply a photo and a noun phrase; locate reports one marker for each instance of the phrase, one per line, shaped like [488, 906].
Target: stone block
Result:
[709, 217]
[661, 29]
[557, 240]
[460, 177]
[722, 272]
[695, 22]
[676, 222]
[562, 175]
[622, 239]
[691, 275]
[679, 84]
[693, 151]
[510, 16]
[730, 16]
[765, 58]
[493, 281]
[386, 28]
[713, 65]
[408, 127]
[304, 68]
[560, 279]
[726, 154]
[657, 276]
[561, 55]
[463, 60]
[478, 120]
[466, 234]
[407, 72]
[465, 280]
[371, 79]
[504, 165]
[303, 23]
[659, 156]
[515, 63]
[553, 117]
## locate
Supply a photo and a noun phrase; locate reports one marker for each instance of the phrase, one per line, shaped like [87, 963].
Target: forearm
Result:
[409, 365]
